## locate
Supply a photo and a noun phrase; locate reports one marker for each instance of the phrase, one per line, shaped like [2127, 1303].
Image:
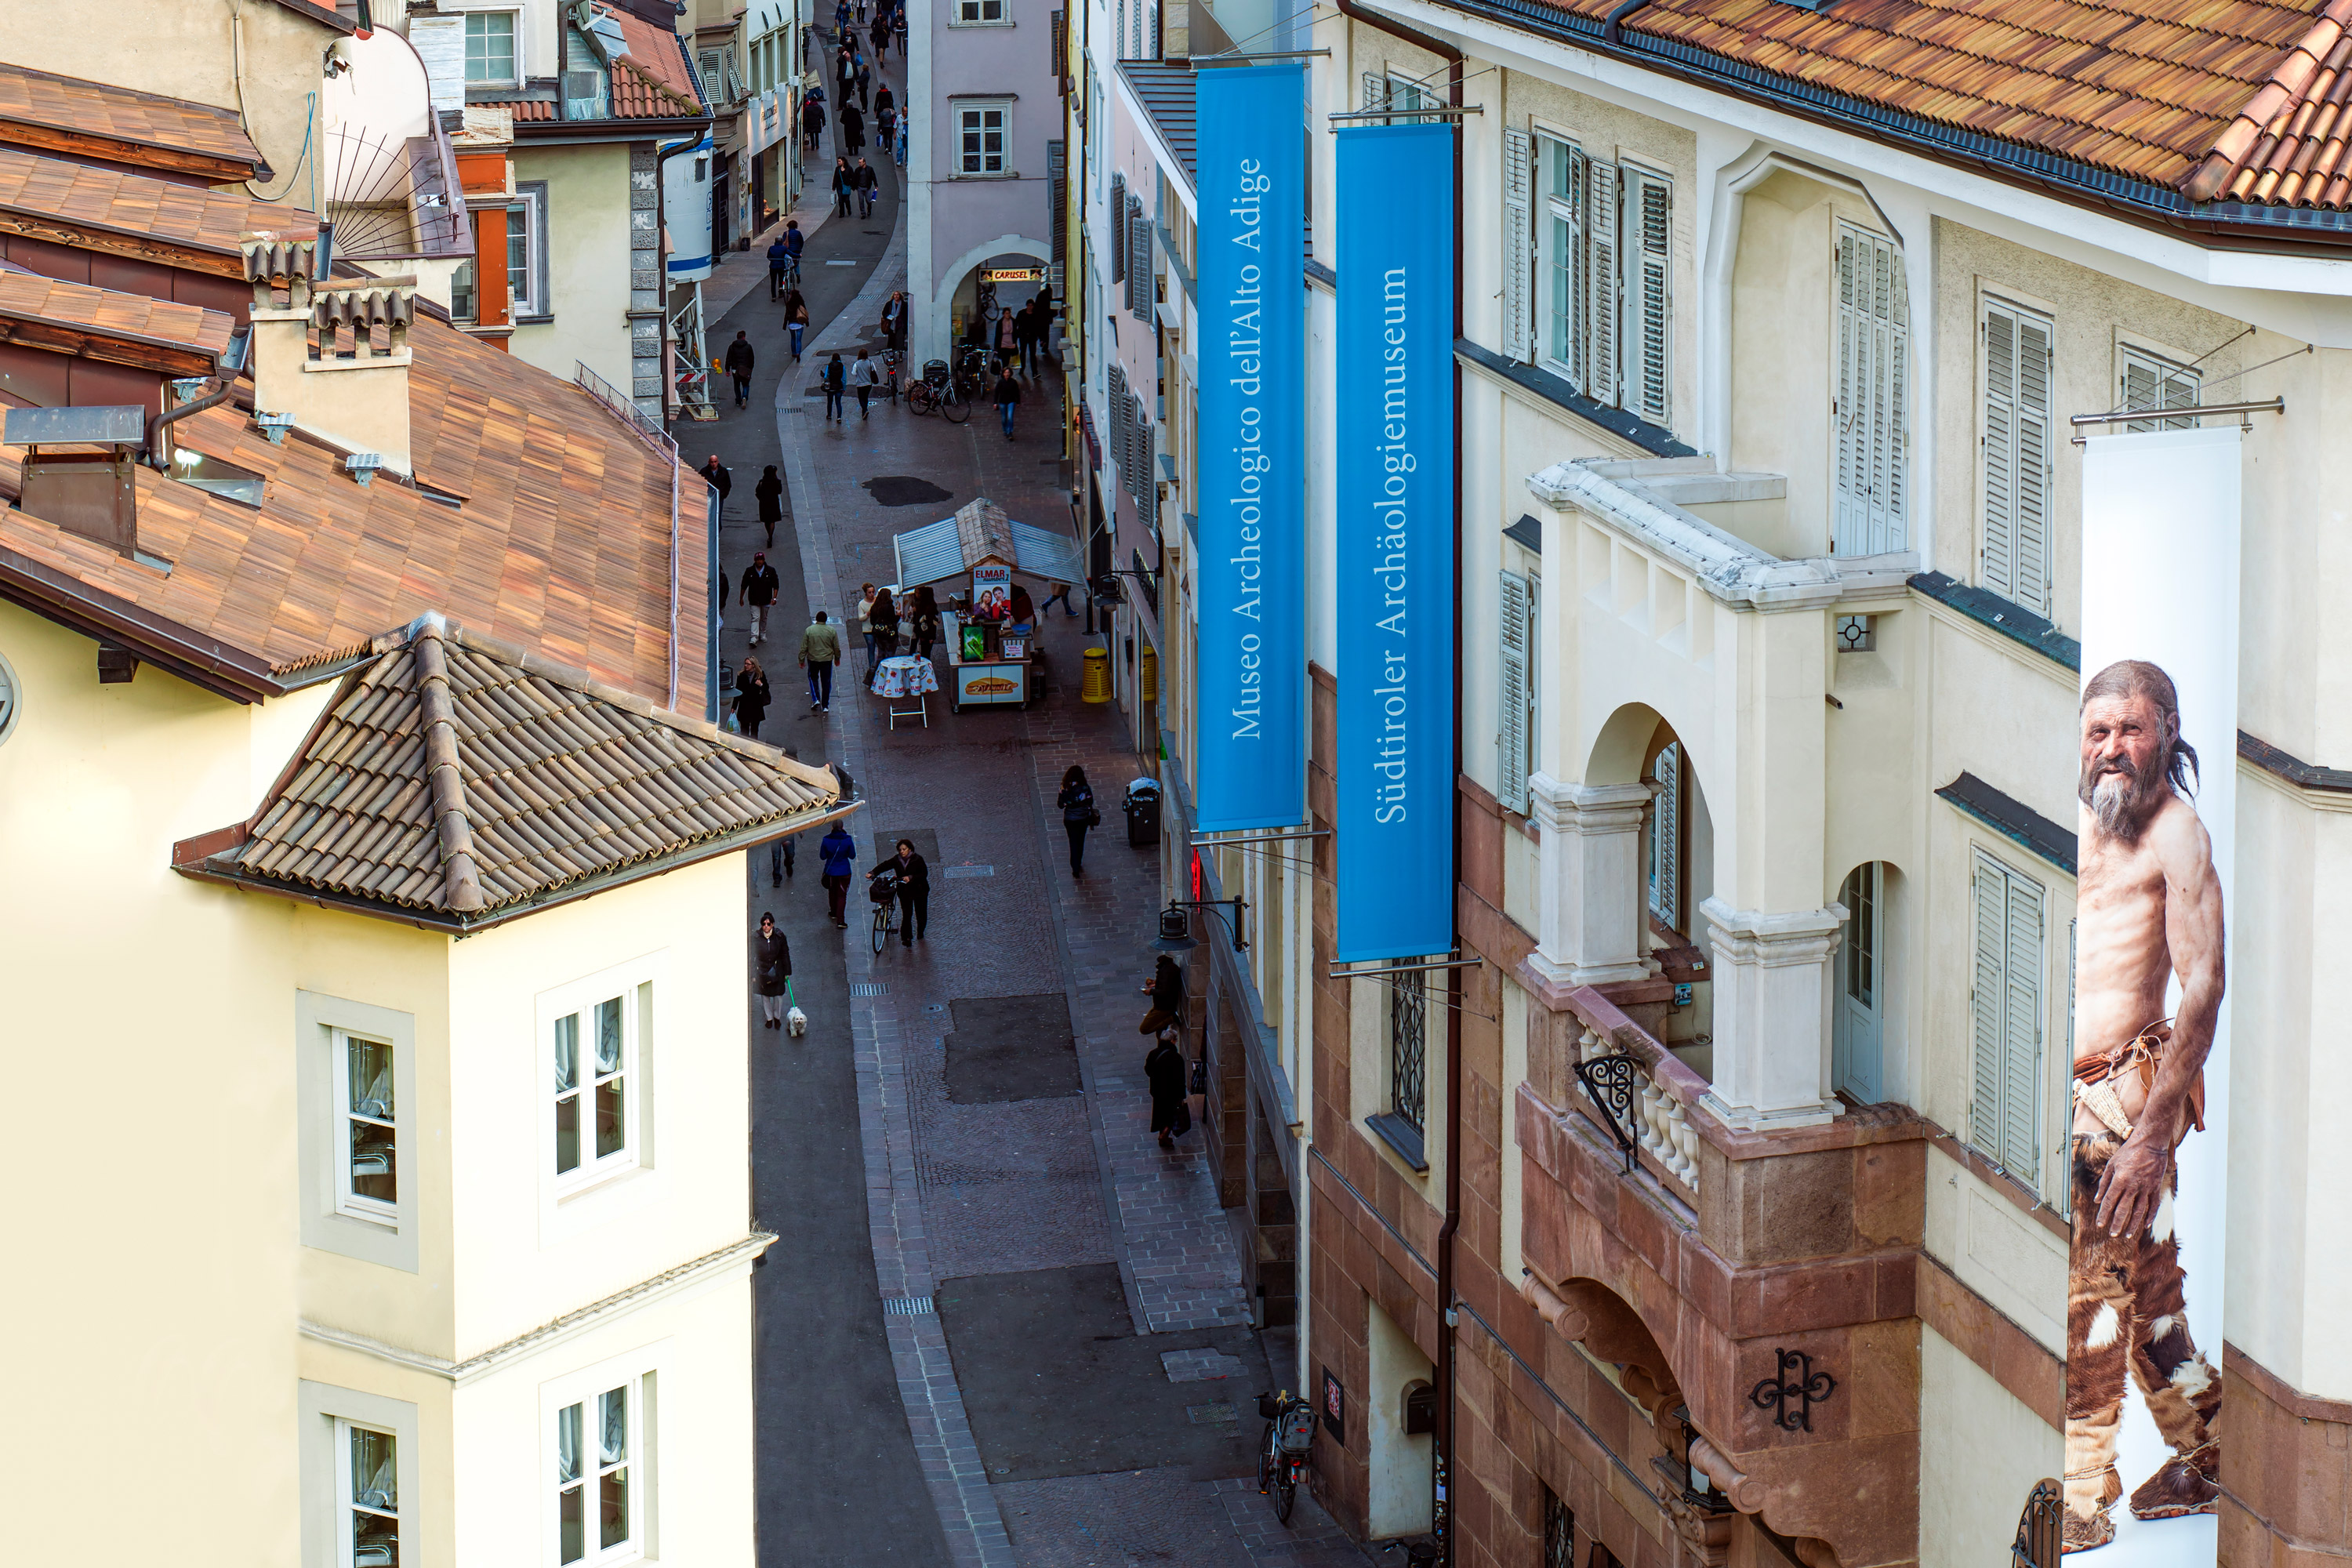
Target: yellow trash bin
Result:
[1097, 682]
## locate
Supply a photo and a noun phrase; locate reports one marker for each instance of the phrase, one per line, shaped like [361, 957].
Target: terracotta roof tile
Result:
[457, 775]
[35, 106]
[561, 543]
[109, 313]
[534, 109]
[655, 80]
[133, 206]
[2240, 98]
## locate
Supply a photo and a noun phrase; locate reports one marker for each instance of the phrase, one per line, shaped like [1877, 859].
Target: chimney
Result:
[333, 355]
[79, 469]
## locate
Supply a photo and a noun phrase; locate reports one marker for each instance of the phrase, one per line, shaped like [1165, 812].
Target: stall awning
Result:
[982, 531]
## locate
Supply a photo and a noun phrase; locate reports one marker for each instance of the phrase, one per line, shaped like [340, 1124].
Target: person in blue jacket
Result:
[839, 850]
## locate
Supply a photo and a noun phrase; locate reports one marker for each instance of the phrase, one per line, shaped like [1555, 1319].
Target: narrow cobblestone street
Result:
[982, 1381]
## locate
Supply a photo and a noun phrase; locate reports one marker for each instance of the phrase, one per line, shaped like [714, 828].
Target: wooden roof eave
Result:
[202, 661]
[67, 142]
[133, 349]
[188, 256]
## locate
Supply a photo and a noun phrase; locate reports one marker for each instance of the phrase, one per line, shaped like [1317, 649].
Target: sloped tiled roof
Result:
[653, 81]
[2158, 90]
[1164, 88]
[108, 314]
[461, 778]
[36, 108]
[130, 212]
[562, 543]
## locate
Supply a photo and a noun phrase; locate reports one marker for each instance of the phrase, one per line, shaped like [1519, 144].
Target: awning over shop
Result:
[982, 531]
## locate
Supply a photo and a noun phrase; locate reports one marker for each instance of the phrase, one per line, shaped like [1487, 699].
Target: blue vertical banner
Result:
[1251, 641]
[1394, 524]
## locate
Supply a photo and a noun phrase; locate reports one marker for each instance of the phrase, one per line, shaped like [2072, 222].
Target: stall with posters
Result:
[985, 623]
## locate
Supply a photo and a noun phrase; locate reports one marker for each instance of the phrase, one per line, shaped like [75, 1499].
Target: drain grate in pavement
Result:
[869, 988]
[1005, 1048]
[908, 1306]
[1212, 1414]
[968, 871]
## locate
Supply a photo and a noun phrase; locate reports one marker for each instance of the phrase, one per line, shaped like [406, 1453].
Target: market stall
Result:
[994, 660]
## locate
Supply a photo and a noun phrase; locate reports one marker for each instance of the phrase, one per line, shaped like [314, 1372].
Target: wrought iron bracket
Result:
[1613, 1082]
[1792, 1391]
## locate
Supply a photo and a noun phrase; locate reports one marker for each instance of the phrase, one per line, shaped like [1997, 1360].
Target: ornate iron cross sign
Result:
[1792, 1391]
[1613, 1082]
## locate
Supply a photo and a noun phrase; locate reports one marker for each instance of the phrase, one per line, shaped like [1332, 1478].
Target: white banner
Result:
[2158, 733]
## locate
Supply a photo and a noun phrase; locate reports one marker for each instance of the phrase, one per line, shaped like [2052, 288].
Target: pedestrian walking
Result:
[864, 79]
[780, 256]
[1008, 398]
[865, 625]
[812, 122]
[885, 123]
[852, 136]
[1172, 1110]
[1008, 338]
[819, 651]
[1166, 989]
[841, 18]
[865, 376]
[913, 875]
[882, 618]
[771, 967]
[739, 367]
[761, 588]
[751, 695]
[845, 185]
[906, 121]
[834, 380]
[885, 102]
[894, 320]
[781, 852]
[881, 36]
[1078, 814]
[838, 851]
[869, 188]
[924, 621]
[769, 492]
[796, 321]
[1060, 596]
[720, 477]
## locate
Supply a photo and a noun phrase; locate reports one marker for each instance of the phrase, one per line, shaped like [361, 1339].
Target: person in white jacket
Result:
[865, 376]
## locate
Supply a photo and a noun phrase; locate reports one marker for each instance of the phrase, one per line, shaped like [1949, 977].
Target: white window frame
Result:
[1665, 851]
[349, 1200]
[637, 1373]
[2017, 568]
[514, 48]
[1586, 239]
[327, 1415]
[974, 107]
[331, 1220]
[576, 1033]
[576, 1197]
[977, 14]
[531, 203]
[2166, 381]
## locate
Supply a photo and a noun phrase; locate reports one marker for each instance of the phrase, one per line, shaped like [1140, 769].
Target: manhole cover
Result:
[905, 490]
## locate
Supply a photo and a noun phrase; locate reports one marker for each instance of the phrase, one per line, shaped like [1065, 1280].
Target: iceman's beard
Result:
[2121, 797]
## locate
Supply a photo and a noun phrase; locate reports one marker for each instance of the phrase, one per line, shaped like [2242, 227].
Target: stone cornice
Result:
[734, 1257]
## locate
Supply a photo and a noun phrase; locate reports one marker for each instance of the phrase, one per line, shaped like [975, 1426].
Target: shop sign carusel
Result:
[1252, 664]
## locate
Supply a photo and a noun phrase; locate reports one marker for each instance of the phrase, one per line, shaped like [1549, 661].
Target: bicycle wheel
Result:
[1269, 1461]
[881, 925]
[954, 409]
[920, 398]
[1285, 1489]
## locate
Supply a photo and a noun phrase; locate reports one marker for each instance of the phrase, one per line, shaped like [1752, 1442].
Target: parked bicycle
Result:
[1289, 1435]
[937, 392]
[883, 888]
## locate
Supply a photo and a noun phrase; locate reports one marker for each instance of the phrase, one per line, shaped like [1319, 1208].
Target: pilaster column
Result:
[1773, 1014]
[1591, 892]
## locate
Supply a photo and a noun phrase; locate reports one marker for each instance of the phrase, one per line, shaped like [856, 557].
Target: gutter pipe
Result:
[1442, 1512]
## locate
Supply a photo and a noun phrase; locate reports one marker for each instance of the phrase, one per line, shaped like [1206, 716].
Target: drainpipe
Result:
[1446, 1232]
[1613, 29]
[222, 387]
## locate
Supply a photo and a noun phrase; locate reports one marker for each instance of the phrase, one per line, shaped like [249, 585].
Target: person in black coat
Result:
[1171, 1112]
[882, 620]
[1166, 989]
[770, 492]
[719, 477]
[1078, 814]
[852, 136]
[913, 874]
[772, 965]
[751, 697]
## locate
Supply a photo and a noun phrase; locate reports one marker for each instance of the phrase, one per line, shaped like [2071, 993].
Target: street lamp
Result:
[1176, 926]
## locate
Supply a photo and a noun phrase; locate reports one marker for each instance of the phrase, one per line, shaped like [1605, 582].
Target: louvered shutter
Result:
[1057, 186]
[2150, 382]
[1120, 422]
[1575, 311]
[1648, 241]
[1519, 243]
[1601, 282]
[1376, 90]
[1118, 227]
[1061, 47]
[1139, 292]
[2017, 454]
[1666, 838]
[1511, 766]
[2007, 1008]
[1873, 362]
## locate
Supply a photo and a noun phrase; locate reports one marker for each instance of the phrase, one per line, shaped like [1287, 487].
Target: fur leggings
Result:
[2123, 1309]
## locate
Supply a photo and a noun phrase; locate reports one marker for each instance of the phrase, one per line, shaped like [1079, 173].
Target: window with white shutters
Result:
[1511, 697]
[1874, 364]
[1519, 245]
[2151, 381]
[1118, 228]
[1376, 90]
[1566, 178]
[1648, 243]
[1598, 283]
[2017, 453]
[1666, 845]
[2005, 1004]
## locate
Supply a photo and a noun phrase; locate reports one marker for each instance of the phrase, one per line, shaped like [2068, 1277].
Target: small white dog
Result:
[795, 1022]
